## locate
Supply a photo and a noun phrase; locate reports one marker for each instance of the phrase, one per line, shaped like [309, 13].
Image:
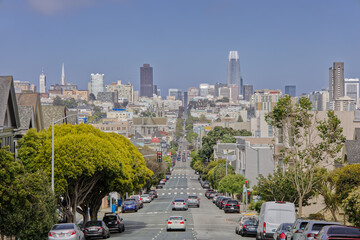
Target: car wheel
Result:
[120, 230]
[105, 236]
[167, 230]
[123, 228]
[136, 210]
[198, 205]
[236, 231]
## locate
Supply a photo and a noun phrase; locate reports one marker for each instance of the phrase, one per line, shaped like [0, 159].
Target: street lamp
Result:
[52, 149]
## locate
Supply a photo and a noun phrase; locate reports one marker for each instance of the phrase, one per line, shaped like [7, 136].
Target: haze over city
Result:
[186, 42]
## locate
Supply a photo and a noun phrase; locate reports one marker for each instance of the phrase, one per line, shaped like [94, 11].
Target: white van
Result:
[272, 214]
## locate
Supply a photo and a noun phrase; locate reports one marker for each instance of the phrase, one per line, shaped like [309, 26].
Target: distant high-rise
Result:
[233, 72]
[175, 93]
[185, 100]
[96, 84]
[63, 75]
[146, 81]
[290, 90]
[352, 88]
[248, 91]
[217, 87]
[42, 82]
[336, 81]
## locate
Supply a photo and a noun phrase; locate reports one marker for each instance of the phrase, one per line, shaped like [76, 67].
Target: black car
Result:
[114, 222]
[96, 229]
[159, 186]
[232, 206]
[247, 226]
[223, 202]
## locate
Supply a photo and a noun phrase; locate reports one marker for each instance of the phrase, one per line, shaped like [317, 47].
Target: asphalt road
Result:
[206, 222]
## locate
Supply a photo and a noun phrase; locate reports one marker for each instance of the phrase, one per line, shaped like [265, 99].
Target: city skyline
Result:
[272, 45]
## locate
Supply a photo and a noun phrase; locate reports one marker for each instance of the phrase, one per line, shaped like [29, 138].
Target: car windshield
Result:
[129, 202]
[250, 222]
[344, 230]
[95, 223]
[232, 202]
[179, 200]
[63, 226]
[285, 225]
[144, 195]
[175, 218]
[109, 218]
[318, 226]
[192, 197]
[303, 225]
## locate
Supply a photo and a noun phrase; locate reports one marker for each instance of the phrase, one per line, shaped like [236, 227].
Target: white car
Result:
[146, 198]
[179, 204]
[176, 223]
[65, 231]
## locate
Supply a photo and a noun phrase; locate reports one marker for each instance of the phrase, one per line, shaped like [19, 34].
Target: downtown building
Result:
[290, 90]
[96, 84]
[42, 82]
[233, 71]
[125, 92]
[146, 81]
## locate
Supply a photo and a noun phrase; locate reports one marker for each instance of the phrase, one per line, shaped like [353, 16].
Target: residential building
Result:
[9, 115]
[146, 81]
[290, 90]
[175, 93]
[259, 126]
[192, 93]
[248, 91]
[124, 91]
[42, 82]
[108, 97]
[266, 99]
[147, 126]
[233, 72]
[345, 104]
[119, 127]
[319, 100]
[352, 88]
[22, 86]
[336, 81]
[119, 114]
[96, 84]
[33, 117]
[352, 149]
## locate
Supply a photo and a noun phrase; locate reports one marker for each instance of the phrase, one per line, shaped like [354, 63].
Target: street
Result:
[206, 222]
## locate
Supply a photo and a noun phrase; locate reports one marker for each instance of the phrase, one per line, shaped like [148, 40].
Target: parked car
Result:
[96, 229]
[216, 196]
[334, 232]
[272, 214]
[159, 186]
[65, 231]
[146, 198]
[162, 182]
[212, 195]
[223, 202]
[296, 229]
[280, 233]
[218, 200]
[114, 222]
[232, 206]
[129, 205]
[153, 193]
[206, 186]
[193, 200]
[246, 226]
[179, 204]
[167, 177]
[176, 223]
[138, 198]
[313, 227]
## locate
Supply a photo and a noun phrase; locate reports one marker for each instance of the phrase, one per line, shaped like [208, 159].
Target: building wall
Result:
[146, 81]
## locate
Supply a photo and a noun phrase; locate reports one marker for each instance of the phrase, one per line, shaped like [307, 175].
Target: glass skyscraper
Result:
[233, 72]
[146, 81]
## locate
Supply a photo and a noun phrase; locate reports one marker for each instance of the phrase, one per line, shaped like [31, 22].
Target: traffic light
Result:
[246, 184]
[159, 156]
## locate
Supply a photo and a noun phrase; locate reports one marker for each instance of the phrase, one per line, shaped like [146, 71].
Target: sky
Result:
[187, 42]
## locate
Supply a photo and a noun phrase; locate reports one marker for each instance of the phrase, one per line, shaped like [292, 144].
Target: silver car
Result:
[176, 223]
[296, 229]
[146, 198]
[193, 200]
[65, 231]
[179, 204]
[313, 227]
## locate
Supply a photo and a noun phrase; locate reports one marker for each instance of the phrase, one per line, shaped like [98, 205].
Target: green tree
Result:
[84, 156]
[70, 103]
[307, 143]
[58, 101]
[352, 206]
[232, 184]
[27, 206]
[219, 172]
[179, 129]
[348, 179]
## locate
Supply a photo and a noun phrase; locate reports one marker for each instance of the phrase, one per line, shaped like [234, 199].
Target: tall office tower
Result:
[63, 75]
[336, 80]
[185, 101]
[155, 89]
[96, 84]
[175, 93]
[234, 93]
[204, 89]
[146, 81]
[290, 90]
[42, 82]
[217, 87]
[233, 72]
[248, 91]
[192, 93]
[352, 88]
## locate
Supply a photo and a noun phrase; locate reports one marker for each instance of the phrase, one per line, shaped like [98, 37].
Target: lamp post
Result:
[52, 149]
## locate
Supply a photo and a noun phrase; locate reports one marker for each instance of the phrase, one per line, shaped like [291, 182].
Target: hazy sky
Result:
[186, 41]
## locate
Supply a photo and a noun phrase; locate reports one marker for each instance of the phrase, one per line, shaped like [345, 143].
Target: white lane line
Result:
[181, 193]
[163, 194]
[169, 193]
[200, 194]
[175, 193]
[187, 193]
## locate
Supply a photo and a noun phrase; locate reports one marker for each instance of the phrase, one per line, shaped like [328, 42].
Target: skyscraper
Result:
[175, 93]
[290, 90]
[42, 82]
[96, 84]
[352, 88]
[336, 81]
[233, 72]
[63, 75]
[146, 81]
[248, 91]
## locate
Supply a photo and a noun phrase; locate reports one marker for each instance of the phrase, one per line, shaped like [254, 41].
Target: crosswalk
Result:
[176, 193]
[167, 189]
